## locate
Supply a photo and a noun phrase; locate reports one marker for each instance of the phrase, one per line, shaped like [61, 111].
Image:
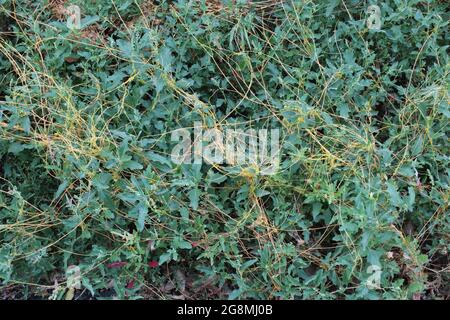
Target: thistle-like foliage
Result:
[357, 209]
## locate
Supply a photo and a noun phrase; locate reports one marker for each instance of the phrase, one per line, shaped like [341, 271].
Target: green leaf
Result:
[184, 212]
[234, 294]
[183, 244]
[248, 264]
[16, 148]
[194, 196]
[87, 21]
[417, 147]
[61, 189]
[132, 165]
[126, 48]
[101, 180]
[165, 58]
[261, 193]
[142, 215]
[316, 209]
[411, 198]
[394, 195]
[165, 257]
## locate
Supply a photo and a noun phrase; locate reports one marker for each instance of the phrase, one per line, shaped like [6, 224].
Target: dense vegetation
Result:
[86, 178]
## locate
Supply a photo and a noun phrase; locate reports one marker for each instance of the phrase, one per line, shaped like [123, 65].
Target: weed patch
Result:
[357, 208]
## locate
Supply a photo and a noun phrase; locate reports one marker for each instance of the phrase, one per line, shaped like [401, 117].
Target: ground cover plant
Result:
[93, 207]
